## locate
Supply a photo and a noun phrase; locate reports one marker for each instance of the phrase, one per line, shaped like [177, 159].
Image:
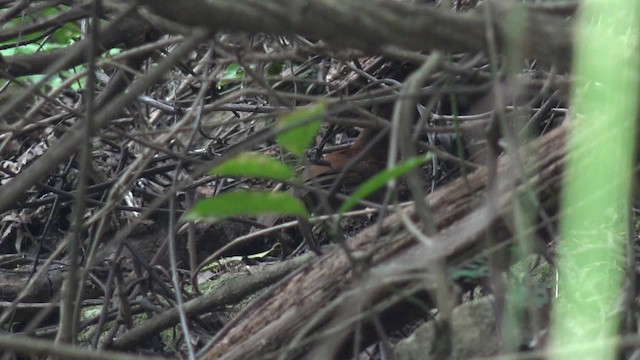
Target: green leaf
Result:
[254, 165]
[113, 51]
[380, 179]
[66, 34]
[232, 73]
[251, 203]
[298, 139]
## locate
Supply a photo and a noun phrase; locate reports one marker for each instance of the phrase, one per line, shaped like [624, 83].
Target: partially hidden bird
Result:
[342, 171]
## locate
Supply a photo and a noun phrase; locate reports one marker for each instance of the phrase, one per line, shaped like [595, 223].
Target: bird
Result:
[339, 171]
[342, 171]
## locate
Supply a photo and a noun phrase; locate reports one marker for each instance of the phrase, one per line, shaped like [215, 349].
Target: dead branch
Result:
[385, 23]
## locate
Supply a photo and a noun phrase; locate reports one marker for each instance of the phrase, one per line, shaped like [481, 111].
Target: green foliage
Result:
[298, 129]
[381, 179]
[61, 38]
[250, 203]
[65, 35]
[233, 72]
[297, 136]
[254, 165]
[305, 122]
